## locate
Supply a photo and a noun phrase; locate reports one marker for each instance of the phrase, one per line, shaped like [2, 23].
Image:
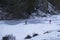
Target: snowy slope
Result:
[52, 8]
[41, 26]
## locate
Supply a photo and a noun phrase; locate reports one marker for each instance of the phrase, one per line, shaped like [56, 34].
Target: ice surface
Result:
[40, 26]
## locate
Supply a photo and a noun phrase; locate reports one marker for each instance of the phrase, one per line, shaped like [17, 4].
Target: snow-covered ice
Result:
[41, 26]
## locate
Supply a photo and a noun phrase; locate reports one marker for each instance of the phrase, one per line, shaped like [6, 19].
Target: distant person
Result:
[25, 21]
[50, 21]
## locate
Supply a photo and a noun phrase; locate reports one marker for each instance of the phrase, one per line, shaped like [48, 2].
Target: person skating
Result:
[50, 21]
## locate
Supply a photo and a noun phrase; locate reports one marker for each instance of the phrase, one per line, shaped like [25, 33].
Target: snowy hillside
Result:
[52, 9]
[43, 28]
[39, 13]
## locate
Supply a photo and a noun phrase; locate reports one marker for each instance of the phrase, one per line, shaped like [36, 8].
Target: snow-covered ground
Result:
[41, 26]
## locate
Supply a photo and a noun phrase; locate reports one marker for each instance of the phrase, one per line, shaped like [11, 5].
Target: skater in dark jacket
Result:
[50, 21]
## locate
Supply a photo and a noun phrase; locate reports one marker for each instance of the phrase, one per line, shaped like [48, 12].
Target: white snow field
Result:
[41, 26]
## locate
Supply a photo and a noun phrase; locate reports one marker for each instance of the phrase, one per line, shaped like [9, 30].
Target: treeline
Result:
[22, 9]
[18, 8]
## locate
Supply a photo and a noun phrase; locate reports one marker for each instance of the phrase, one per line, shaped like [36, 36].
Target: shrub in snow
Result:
[35, 34]
[47, 32]
[8, 37]
[28, 37]
[58, 31]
